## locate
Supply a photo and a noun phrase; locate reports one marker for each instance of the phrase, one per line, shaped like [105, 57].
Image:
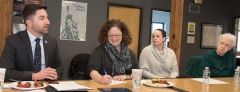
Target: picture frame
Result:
[197, 1]
[190, 39]
[210, 34]
[191, 28]
[18, 5]
[17, 27]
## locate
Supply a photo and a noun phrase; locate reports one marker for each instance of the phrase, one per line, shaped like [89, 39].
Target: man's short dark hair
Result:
[30, 9]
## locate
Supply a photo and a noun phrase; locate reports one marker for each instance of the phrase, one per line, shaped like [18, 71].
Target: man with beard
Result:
[31, 54]
[221, 60]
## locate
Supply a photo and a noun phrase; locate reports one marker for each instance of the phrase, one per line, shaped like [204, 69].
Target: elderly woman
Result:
[157, 60]
[221, 60]
[112, 60]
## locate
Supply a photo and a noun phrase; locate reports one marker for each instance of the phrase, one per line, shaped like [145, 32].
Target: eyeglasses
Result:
[112, 36]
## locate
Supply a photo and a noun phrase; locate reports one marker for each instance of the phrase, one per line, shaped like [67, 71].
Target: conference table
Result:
[182, 83]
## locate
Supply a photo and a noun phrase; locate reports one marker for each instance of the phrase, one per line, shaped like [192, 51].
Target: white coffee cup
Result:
[136, 77]
[2, 76]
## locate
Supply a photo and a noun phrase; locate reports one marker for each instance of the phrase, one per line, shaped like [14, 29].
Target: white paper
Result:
[114, 82]
[68, 86]
[212, 81]
[6, 86]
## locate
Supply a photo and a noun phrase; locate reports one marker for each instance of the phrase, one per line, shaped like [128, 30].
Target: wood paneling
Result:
[6, 8]
[131, 17]
[176, 27]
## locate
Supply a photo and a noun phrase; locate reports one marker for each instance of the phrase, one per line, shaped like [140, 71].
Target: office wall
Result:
[235, 12]
[211, 11]
[96, 15]
[235, 8]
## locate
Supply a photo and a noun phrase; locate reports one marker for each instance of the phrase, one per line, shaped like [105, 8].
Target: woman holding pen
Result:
[112, 60]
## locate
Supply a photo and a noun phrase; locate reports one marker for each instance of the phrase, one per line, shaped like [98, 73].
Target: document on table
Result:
[212, 81]
[69, 86]
[115, 82]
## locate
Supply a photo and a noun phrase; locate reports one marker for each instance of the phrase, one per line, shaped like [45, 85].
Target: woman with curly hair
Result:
[112, 60]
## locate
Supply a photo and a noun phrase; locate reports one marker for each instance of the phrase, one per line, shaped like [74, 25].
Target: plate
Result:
[149, 83]
[14, 85]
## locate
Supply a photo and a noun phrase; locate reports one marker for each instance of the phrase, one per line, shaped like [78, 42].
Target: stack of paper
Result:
[69, 86]
[212, 81]
[115, 82]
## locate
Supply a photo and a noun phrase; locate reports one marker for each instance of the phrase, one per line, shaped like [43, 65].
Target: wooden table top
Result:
[182, 83]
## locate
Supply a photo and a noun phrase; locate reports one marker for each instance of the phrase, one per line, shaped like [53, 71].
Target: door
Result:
[237, 33]
[131, 17]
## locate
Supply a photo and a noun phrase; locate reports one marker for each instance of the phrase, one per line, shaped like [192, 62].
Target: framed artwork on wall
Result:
[190, 39]
[18, 5]
[210, 34]
[197, 1]
[191, 28]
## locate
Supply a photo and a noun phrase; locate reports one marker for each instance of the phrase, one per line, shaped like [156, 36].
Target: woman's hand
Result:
[120, 77]
[105, 79]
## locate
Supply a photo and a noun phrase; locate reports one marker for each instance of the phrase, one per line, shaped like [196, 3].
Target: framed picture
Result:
[17, 27]
[191, 28]
[210, 34]
[190, 39]
[197, 1]
[18, 5]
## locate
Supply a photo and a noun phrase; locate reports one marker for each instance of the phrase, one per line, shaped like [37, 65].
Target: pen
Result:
[107, 74]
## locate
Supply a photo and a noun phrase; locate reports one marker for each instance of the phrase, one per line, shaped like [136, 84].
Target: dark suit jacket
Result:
[17, 56]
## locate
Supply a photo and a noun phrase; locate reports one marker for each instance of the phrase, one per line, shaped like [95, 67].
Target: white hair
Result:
[230, 37]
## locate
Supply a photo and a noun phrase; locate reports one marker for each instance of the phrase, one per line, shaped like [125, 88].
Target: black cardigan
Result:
[100, 60]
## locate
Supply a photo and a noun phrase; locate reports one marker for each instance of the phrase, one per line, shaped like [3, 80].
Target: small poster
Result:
[191, 28]
[73, 21]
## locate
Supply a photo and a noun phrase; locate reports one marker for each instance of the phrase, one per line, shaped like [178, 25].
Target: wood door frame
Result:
[176, 22]
[236, 53]
[6, 21]
[140, 24]
[165, 10]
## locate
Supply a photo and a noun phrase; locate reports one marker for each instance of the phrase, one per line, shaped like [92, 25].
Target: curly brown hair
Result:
[103, 32]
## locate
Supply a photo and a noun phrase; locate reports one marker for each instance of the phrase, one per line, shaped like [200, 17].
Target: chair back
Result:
[78, 67]
[193, 64]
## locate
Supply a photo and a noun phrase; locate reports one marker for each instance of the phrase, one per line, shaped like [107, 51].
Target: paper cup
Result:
[136, 77]
[2, 76]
